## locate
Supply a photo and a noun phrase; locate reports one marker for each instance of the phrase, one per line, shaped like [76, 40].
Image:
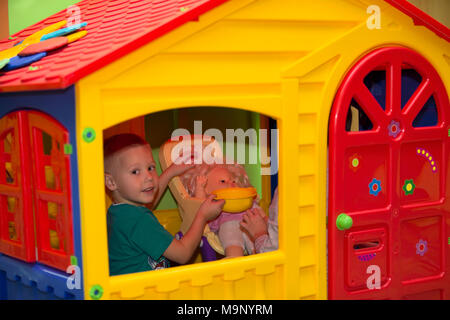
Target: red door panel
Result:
[366, 163]
[420, 178]
[364, 248]
[389, 174]
[423, 260]
[52, 191]
[16, 210]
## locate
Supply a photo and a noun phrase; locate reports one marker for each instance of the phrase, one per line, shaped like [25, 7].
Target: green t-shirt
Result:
[136, 240]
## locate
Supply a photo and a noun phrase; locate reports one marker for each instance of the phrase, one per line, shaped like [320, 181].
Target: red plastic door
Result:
[389, 181]
[51, 191]
[16, 213]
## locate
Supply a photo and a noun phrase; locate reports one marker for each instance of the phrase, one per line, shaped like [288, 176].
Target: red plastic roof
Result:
[117, 27]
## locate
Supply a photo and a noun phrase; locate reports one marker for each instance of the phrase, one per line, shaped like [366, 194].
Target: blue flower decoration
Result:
[394, 128]
[421, 247]
[375, 187]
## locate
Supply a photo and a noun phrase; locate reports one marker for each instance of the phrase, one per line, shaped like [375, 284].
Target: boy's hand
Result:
[176, 169]
[172, 171]
[181, 250]
[211, 208]
[254, 221]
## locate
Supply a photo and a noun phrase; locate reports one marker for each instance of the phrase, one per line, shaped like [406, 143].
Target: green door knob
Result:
[344, 221]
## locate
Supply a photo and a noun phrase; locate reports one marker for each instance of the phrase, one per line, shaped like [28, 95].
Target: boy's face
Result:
[219, 178]
[132, 176]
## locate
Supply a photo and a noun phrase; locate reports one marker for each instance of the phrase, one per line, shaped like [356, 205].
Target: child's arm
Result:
[262, 230]
[181, 251]
[172, 171]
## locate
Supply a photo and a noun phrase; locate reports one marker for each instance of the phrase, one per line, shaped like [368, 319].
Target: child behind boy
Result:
[136, 240]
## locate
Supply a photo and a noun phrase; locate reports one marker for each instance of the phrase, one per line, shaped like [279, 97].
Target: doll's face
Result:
[219, 178]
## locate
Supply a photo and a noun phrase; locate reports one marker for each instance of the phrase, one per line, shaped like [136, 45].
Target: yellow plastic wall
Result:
[284, 59]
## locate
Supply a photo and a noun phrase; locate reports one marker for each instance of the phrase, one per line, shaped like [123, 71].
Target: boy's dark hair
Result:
[121, 141]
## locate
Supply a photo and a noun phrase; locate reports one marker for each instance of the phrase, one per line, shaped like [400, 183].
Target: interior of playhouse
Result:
[157, 129]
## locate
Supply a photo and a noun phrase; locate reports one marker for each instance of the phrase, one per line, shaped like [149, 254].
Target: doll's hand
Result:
[201, 181]
[200, 184]
[211, 208]
[254, 221]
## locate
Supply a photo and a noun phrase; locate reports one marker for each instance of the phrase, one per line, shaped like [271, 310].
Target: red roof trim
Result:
[420, 18]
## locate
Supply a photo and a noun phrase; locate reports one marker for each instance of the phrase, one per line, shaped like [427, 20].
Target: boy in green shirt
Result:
[136, 240]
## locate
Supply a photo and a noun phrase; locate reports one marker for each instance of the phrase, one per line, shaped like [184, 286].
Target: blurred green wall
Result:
[23, 13]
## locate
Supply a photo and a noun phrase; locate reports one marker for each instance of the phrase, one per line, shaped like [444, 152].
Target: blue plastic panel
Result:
[21, 280]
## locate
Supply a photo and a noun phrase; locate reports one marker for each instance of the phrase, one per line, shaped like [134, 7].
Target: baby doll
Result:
[201, 181]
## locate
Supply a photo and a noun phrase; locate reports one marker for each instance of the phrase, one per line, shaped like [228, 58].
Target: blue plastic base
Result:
[32, 281]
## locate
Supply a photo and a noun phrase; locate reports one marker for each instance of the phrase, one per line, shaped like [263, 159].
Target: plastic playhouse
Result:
[360, 99]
